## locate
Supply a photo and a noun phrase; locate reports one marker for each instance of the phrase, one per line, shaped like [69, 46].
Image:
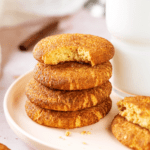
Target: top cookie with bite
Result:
[85, 48]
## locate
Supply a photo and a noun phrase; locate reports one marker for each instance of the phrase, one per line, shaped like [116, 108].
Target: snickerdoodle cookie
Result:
[3, 147]
[73, 47]
[66, 100]
[136, 110]
[67, 119]
[72, 75]
[130, 134]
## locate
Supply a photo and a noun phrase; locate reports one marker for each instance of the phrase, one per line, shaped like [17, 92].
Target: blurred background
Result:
[17, 12]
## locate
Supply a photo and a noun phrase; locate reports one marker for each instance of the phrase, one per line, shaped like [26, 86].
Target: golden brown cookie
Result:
[3, 147]
[130, 134]
[66, 100]
[73, 47]
[67, 119]
[136, 110]
[72, 75]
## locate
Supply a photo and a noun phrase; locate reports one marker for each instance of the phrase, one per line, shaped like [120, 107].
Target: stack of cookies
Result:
[132, 125]
[70, 86]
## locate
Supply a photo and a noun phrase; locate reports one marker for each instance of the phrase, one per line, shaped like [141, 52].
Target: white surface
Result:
[43, 137]
[129, 24]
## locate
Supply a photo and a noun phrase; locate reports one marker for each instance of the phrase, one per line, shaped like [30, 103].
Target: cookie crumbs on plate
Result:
[88, 132]
[62, 138]
[85, 132]
[67, 133]
[84, 143]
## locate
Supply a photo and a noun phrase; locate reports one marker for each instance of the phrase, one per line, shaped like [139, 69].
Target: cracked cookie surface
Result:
[66, 100]
[68, 119]
[129, 134]
[136, 110]
[72, 75]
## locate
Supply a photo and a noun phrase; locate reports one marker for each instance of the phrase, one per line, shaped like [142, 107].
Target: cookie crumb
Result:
[84, 143]
[16, 76]
[83, 132]
[67, 133]
[88, 132]
[62, 138]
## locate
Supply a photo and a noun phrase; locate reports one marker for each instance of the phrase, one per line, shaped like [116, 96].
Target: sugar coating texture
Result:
[68, 119]
[136, 110]
[3, 147]
[66, 100]
[72, 75]
[73, 47]
[130, 134]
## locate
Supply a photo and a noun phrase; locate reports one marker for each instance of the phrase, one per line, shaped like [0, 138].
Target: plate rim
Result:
[8, 116]
[15, 127]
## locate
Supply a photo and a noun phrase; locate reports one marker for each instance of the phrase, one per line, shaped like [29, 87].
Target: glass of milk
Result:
[128, 21]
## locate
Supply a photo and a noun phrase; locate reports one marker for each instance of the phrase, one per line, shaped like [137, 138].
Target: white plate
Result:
[44, 138]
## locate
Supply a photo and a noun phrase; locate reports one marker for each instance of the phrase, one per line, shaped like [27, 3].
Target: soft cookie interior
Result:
[134, 113]
[67, 54]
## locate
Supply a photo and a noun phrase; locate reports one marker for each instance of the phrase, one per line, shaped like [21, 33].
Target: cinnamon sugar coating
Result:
[129, 134]
[3, 147]
[72, 75]
[68, 119]
[66, 100]
[73, 47]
